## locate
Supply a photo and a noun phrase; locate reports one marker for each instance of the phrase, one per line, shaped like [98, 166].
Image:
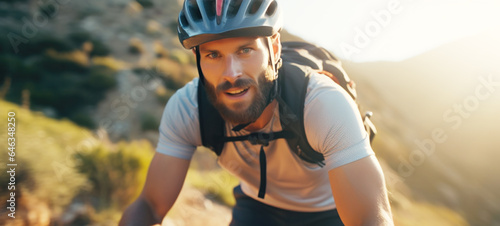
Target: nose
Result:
[233, 69]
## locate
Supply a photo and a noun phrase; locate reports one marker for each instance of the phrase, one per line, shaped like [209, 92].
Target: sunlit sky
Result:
[373, 30]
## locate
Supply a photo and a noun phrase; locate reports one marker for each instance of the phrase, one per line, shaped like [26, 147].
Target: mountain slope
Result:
[443, 106]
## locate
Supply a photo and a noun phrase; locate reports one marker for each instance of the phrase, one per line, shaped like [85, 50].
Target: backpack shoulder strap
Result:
[211, 123]
[293, 82]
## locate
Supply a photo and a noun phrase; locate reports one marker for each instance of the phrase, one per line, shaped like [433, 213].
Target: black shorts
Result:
[249, 211]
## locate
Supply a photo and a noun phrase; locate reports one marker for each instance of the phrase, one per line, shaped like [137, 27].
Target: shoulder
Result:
[179, 126]
[322, 88]
[185, 97]
[182, 106]
[330, 115]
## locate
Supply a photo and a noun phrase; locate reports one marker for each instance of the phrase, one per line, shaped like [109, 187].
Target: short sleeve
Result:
[333, 124]
[179, 132]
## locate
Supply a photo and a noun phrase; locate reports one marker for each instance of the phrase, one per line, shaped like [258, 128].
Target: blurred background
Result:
[88, 81]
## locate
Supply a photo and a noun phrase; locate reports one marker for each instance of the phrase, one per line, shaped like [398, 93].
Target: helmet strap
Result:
[198, 65]
[275, 65]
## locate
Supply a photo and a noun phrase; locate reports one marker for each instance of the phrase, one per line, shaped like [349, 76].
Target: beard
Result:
[258, 104]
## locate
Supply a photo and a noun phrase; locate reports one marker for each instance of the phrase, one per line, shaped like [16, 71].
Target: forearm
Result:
[378, 214]
[360, 193]
[139, 213]
[368, 210]
[159, 194]
[381, 218]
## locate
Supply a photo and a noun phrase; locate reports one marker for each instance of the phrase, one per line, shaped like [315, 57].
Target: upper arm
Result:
[360, 193]
[179, 132]
[164, 181]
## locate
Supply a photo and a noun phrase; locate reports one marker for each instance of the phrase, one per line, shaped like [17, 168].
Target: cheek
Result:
[257, 65]
[210, 72]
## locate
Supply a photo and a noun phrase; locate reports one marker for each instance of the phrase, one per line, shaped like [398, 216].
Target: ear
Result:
[194, 51]
[276, 42]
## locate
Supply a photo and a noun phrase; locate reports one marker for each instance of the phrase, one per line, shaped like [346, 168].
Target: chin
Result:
[239, 113]
[240, 107]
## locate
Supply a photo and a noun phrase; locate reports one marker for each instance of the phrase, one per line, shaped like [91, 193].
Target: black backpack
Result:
[299, 60]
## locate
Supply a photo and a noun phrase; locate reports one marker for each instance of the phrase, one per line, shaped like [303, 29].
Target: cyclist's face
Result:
[238, 76]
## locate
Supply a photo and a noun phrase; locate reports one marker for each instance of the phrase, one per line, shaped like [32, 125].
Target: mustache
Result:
[240, 83]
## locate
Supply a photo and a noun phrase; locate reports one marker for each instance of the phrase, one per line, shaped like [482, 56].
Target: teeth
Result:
[234, 92]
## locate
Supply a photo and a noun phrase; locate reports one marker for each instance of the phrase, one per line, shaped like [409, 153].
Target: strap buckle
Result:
[260, 138]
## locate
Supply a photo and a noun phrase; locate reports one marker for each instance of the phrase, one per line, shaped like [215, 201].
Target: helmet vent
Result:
[183, 21]
[254, 6]
[234, 7]
[194, 10]
[272, 8]
[209, 7]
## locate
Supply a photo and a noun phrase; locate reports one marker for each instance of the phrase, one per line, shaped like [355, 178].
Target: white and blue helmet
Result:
[202, 21]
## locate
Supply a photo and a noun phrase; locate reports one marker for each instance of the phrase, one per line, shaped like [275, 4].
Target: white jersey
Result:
[333, 127]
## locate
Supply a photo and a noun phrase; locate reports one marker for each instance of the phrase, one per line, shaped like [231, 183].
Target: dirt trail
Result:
[193, 208]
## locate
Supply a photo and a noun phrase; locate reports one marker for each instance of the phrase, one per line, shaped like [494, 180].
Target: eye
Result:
[213, 55]
[245, 50]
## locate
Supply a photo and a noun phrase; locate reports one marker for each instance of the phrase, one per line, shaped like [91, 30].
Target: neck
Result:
[264, 118]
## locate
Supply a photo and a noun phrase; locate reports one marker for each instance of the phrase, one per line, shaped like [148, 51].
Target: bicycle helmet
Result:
[202, 21]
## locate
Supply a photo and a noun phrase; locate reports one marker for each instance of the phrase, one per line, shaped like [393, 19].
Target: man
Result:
[237, 45]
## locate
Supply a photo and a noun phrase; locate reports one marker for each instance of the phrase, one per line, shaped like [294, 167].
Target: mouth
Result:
[237, 92]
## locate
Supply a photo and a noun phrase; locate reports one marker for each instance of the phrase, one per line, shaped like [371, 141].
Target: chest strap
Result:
[262, 139]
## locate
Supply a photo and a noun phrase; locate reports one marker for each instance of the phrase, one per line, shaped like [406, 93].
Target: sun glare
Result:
[389, 30]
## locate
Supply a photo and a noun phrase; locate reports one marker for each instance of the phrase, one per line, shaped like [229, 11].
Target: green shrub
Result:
[79, 37]
[67, 87]
[14, 1]
[140, 70]
[83, 119]
[117, 174]
[100, 79]
[59, 162]
[136, 46]
[99, 48]
[14, 13]
[48, 9]
[56, 73]
[43, 42]
[149, 122]
[59, 65]
[5, 46]
[45, 167]
[146, 3]
[10, 65]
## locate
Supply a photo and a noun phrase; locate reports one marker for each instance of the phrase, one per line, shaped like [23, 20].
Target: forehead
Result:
[231, 43]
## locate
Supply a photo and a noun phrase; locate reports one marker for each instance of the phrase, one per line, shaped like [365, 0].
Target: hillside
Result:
[442, 90]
